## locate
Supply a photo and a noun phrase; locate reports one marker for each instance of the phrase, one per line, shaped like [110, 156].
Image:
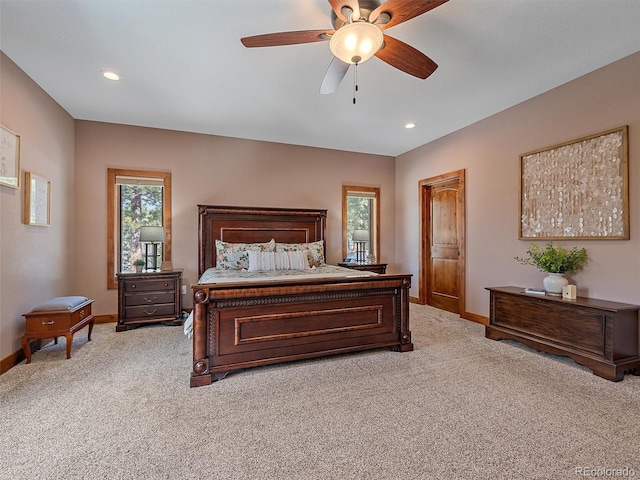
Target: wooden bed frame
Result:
[242, 325]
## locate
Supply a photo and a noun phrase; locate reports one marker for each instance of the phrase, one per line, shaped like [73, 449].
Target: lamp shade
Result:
[152, 234]
[360, 235]
[356, 42]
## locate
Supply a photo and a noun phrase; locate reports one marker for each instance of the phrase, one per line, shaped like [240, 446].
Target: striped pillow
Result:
[265, 261]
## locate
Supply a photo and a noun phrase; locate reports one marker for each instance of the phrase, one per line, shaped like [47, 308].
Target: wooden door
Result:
[442, 276]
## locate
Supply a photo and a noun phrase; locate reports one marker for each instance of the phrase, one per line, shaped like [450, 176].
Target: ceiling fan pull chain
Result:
[355, 82]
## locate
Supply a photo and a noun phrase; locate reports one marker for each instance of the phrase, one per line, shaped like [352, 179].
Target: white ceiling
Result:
[184, 67]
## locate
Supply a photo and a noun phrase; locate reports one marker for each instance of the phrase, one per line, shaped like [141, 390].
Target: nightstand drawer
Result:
[369, 267]
[150, 311]
[149, 298]
[150, 285]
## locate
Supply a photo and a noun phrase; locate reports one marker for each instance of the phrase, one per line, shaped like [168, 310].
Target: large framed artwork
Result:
[9, 158]
[37, 200]
[577, 190]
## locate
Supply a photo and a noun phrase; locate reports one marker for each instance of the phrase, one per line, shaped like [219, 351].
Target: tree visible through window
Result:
[136, 198]
[140, 205]
[360, 220]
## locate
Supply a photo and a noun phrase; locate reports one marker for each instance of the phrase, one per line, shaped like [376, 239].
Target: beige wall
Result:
[214, 170]
[36, 263]
[489, 152]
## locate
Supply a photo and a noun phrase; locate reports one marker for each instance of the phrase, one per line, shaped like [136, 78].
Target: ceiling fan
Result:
[357, 36]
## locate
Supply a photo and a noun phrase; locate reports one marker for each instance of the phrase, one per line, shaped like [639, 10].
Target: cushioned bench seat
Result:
[60, 316]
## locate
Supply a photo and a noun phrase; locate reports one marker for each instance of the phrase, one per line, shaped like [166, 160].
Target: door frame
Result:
[424, 188]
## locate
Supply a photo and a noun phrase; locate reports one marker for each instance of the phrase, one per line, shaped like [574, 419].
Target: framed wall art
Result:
[9, 158]
[37, 200]
[577, 190]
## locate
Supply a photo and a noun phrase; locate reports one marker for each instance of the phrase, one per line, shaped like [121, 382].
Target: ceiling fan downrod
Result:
[355, 82]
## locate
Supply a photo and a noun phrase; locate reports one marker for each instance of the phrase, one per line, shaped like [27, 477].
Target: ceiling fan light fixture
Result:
[356, 42]
[111, 75]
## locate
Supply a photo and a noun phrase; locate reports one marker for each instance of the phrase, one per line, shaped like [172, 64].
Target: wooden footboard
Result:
[241, 326]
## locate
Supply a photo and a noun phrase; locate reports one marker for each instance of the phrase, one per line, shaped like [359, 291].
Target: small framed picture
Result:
[9, 158]
[37, 200]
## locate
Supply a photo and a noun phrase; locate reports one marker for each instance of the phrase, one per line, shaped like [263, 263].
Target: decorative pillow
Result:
[316, 251]
[264, 261]
[235, 256]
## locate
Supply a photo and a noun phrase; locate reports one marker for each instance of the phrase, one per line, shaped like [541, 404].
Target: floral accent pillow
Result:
[235, 256]
[316, 251]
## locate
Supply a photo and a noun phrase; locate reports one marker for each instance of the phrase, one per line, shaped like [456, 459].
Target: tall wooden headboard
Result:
[255, 225]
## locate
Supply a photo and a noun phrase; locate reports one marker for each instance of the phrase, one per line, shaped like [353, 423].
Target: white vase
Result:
[554, 282]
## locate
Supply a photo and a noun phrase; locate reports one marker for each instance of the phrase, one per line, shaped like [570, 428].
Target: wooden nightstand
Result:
[149, 297]
[372, 267]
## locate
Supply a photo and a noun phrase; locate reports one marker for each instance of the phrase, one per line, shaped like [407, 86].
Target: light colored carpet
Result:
[458, 407]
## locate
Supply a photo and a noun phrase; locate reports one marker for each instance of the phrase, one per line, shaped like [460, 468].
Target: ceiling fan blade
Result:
[403, 10]
[337, 5]
[287, 38]
[335, 73]
[406, 58]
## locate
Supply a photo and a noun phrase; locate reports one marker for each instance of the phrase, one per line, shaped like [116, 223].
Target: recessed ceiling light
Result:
[410, 125]
[111, 75]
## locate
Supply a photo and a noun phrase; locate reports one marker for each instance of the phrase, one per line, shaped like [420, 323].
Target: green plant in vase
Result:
[556, 261]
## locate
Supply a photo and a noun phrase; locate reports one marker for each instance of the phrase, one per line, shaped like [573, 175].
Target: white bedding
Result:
[214, 275]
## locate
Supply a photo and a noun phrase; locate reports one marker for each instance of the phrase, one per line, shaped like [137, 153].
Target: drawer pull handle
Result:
[166, 284]
[150, 300]
[81, 314]
[133, 285]
[151, 313]
[50, 322]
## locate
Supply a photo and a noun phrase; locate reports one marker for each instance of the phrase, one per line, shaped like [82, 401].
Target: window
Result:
[360, 222]
[136, 198]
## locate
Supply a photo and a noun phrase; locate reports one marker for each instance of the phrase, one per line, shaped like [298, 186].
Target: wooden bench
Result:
[61, 316]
